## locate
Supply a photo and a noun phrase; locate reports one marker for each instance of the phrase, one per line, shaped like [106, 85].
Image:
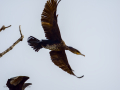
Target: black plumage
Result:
[18, 83]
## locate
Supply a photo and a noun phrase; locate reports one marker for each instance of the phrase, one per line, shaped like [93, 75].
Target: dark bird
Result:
[18, 83]
[54, 41]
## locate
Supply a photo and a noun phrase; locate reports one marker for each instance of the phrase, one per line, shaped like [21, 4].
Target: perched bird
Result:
[18, 83]
[54, 41]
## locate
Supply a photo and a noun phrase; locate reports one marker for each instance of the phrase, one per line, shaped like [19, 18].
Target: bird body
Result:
[54, 41]
[55, 46]
[48, 44]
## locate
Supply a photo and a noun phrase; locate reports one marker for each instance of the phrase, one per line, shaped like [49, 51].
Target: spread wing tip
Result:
[80, 76]
[59, 59]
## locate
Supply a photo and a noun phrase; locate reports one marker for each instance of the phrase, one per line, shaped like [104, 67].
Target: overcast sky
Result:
[91, 26]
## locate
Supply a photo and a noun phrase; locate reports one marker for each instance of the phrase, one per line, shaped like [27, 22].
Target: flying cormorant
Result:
[54, 41]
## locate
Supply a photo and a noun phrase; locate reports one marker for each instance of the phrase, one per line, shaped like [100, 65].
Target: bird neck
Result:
[70, 49]
[63, 43]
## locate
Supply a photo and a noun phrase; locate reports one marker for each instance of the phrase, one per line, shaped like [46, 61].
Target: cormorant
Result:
[18, 83]
[54, 41]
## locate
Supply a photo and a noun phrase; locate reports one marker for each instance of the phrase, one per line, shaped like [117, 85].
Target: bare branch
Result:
[11, 47]
[3, 27]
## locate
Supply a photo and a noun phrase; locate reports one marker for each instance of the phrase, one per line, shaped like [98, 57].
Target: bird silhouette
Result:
[53, 40]
[18, 83]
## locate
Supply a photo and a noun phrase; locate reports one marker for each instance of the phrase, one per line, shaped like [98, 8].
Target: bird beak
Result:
[81, 54]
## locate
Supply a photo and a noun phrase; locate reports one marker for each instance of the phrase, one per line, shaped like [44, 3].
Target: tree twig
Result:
[3, 27]
[11, 47]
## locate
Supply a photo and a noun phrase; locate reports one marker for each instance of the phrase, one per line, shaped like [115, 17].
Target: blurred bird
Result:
[54, 41]
[18, 83]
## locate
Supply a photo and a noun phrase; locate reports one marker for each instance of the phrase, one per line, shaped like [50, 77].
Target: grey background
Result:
[91, 26]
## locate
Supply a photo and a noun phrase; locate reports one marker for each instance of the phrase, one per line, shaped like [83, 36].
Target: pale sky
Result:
[91, 26]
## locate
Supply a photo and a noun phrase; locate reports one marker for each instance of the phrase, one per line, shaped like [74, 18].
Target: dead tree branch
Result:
[3, 27]
[11, 47]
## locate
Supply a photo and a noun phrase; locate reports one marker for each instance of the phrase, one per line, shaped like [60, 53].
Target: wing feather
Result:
[59, 58]
[17, 80]
[49, 20]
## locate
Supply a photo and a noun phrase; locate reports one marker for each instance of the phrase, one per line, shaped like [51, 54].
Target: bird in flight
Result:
[53, 40]
[18, 83]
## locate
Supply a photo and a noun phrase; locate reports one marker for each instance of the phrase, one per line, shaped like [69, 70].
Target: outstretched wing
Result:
[49, 20]
[59, 58]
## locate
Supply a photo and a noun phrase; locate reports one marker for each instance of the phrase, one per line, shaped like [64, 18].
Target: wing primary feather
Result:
[58, 2]
[49, 20]
[59, 58]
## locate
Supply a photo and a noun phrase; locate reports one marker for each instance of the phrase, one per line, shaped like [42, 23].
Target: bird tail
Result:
[34, 43]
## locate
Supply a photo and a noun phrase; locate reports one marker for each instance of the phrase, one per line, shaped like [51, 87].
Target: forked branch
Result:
[11, 47]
